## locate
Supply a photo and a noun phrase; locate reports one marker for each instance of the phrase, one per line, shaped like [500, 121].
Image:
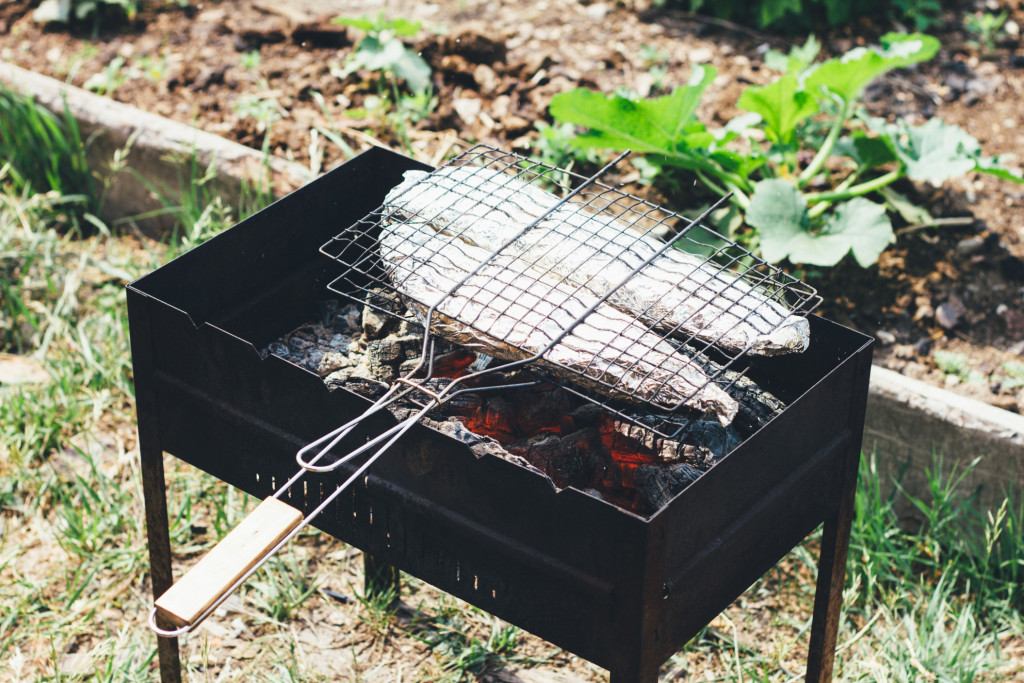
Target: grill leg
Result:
[828, 595]
[158, 533]
[380, 577]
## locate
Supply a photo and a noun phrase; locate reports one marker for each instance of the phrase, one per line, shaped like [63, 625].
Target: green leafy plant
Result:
[803, 160]
[68, 11]
[110, 78]
[44, 152]
[803, 15]
[954, 364]
[1016, 374]
[985, 27]
[402, 91]
[382, 51]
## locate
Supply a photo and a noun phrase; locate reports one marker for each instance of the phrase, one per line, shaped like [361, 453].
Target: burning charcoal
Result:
[658, 484]
[332, 362]
[279, 349]
[327, 310]
[363, 387]
[348, 320]
[567, 460]
[376, 324]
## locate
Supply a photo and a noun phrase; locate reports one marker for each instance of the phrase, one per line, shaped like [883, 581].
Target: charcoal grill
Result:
[619, 589]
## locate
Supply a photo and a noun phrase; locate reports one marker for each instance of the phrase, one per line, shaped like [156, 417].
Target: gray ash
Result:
[543, 427]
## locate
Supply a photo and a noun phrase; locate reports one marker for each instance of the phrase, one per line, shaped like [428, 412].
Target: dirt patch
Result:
[958, 288]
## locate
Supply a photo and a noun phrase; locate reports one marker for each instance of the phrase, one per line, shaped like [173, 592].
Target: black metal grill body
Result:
[620, 590]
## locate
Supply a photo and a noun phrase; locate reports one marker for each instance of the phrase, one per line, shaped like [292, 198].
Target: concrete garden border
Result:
[157, 147]
[909, 423]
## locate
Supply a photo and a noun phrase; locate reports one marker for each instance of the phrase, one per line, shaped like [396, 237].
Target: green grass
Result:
[44, 152]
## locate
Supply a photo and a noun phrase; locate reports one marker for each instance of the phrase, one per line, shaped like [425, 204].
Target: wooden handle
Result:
[237, 553]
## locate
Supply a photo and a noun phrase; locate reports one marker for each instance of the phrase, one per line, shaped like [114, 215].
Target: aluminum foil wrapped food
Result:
[678, 292]
[513, 313]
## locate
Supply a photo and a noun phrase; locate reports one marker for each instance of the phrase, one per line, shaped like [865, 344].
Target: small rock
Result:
[951, 381]
[904, 351]
[486, 78]
[332, 362]
[375, 323]
[700, 55]
[970, 245]
[923, 346]
[885, 337]
[515, 125]
[468, 109]
[260, 31]
[1014, 319]
[923, 312]
[597, 11]
[946, 315]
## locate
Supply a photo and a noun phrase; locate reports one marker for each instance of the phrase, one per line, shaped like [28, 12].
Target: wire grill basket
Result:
[585, 288]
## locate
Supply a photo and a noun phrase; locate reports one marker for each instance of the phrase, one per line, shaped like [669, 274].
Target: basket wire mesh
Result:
[483, 252]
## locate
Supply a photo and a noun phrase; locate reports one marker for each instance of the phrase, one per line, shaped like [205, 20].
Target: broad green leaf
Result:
[781, 104]
[414, 69]
[741, 124]
[868, 152]
[936, 151]
[404, 27]
[773, 10]
[909, 48]
[798, 59]
[862, 225]
[391, 56]
[363, 24]
[846, 76]
[908, 210]
[992, 166]
[742, 165]
[655, 125]
[779, 212]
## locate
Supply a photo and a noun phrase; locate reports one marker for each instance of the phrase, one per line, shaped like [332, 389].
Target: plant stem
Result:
[739, 197]
[857, 190]
[822, 207]
[826, 147]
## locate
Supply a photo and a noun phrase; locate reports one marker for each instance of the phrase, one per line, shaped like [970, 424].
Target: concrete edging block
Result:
[157, 147]
[911, 424]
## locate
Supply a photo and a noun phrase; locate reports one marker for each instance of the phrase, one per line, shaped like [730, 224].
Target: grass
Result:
[44, 152]
[938, 602]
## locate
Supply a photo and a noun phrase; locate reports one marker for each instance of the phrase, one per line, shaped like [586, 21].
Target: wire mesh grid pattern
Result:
[583, 288]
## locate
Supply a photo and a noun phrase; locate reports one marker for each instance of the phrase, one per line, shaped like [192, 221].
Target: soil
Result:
[957, 288]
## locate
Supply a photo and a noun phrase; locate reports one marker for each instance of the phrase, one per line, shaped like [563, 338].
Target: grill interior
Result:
[620, 589]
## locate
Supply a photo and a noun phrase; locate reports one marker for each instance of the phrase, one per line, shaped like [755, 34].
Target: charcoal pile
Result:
[616, 455]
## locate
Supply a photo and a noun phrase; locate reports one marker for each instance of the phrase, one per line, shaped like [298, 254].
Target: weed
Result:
[44, 152]
[282, 585]
[985, 27]
[402, 92]
[111, 77]
[463, 655]
[381, 51]
[553, 147]
[378, 611]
